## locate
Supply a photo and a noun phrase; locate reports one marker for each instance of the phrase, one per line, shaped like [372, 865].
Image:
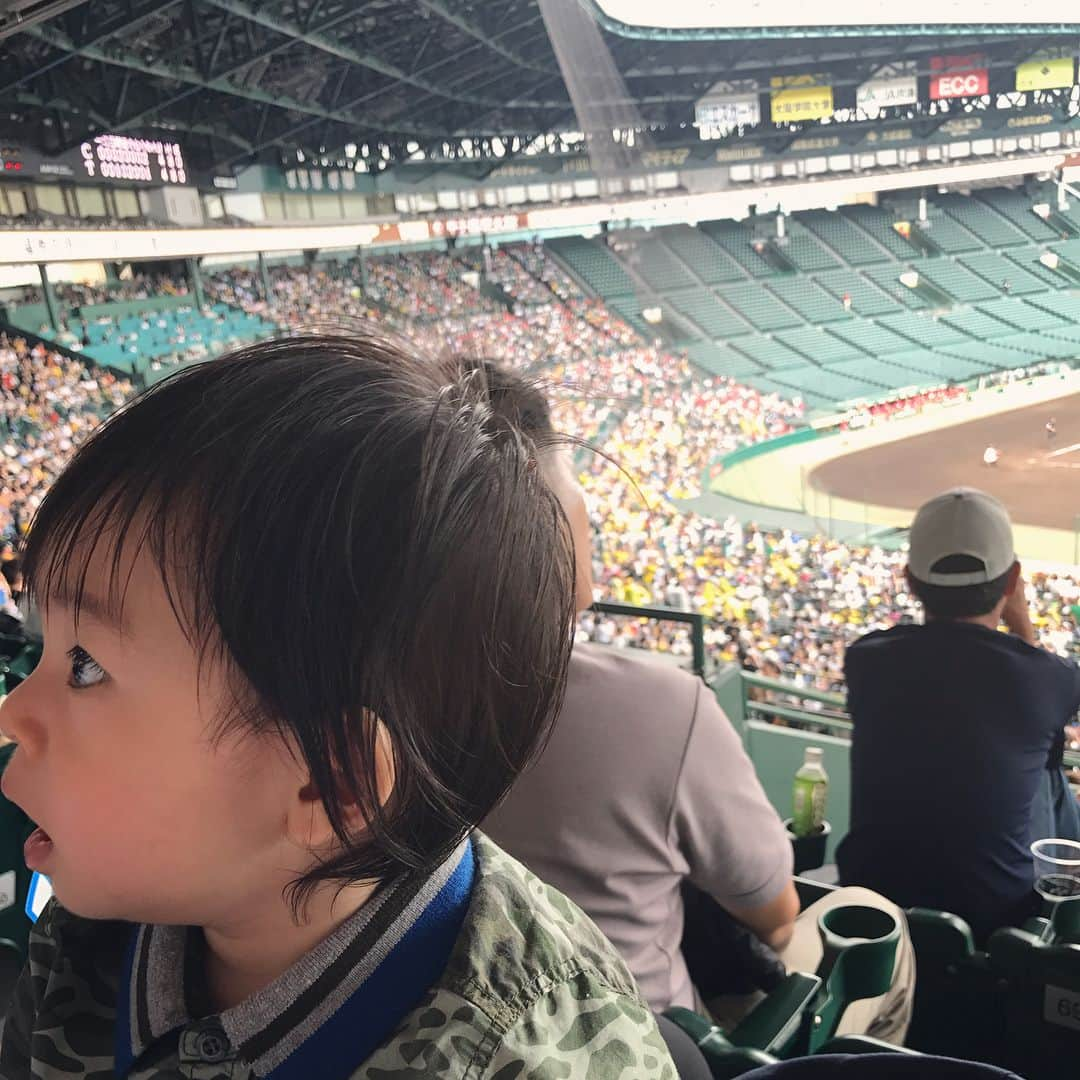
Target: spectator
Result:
[958, 729]
[644, 785]
[300, 806]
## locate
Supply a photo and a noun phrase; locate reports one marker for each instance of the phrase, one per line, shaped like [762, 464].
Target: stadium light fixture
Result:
[910, 278]
[1050, 260]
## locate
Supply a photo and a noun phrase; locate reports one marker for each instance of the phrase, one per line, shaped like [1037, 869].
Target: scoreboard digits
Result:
[120, 157]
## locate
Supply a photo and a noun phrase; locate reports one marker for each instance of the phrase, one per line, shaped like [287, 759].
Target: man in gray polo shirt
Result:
[644, 784]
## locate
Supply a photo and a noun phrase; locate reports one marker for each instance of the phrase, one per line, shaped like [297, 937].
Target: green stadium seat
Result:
[829, 384]
[804, 250]
[719, 359]
[1044, 347]
[887, 278]
[866, 297]
[758, 306]
[1028, 259]
[811, 301]
[871, 337]
[709, 312]
[981, 220]
[1022, 315]
[957, 281]
[990, 354]
[818, 345]
[922, 329]
[659, 267]
[946, 234]
[997, 269]
[1041, 985]
[941, 366]
[886, 374]
[769, 352]
[737, 240]
[849, 242]
[977, 324]
[878, 224]
[705, 257]
[1016, 206]
[593, 264]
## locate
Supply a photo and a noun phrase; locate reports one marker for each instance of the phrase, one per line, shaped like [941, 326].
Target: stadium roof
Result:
[240, 81]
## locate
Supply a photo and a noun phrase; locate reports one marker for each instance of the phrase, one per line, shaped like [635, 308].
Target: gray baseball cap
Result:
[962, 521]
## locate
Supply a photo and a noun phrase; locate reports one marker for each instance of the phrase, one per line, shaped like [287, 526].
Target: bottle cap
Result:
[813, 755]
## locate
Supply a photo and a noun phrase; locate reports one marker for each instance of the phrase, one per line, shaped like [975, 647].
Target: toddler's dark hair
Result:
[432, 571]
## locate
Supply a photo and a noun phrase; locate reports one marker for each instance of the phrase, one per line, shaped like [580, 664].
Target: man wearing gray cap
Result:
[958, 729]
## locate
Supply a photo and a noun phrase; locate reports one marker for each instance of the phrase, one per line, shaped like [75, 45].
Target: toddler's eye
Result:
[85, 670]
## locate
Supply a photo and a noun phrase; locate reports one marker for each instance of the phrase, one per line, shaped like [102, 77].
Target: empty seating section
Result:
[846, 239]
[756, 304]
[768, 352]
[1003, 272]
[704, 256]
[959, 283]
[887, 278]
[659, 266]
[714, 317]
[977, 324]
[873, 338]
[989, 353]
[942, 366]
[879, 224]
[818, 345]
[721, 360]
[841, 325]
[947, 234]
[1028, 259]
[738, 242]
[922, 329]
[1066, 305]
[981, 220]
[834, 386]
[1017, 207]
[811, 301]
[1043, 346]
[595, 265]
[805, 251]
[1022, 315]
[866, 297]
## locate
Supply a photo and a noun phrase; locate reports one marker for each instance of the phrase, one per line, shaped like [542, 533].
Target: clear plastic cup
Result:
[1057, 869]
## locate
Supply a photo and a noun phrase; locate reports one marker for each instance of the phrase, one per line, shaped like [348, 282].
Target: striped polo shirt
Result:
[329, 1011]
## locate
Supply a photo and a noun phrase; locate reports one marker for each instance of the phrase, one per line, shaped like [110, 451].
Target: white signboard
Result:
[729, 105]
[896, 84]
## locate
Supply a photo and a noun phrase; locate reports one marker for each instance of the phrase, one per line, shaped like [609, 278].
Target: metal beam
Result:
[25, 16]
[367, 60]
[130, 21]
[437, 7]
[219, 84]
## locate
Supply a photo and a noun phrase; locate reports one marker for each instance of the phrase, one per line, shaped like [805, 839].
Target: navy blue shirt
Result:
[954, 725]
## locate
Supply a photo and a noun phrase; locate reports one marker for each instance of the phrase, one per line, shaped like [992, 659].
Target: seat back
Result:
[959, 1003]
[1041, 992]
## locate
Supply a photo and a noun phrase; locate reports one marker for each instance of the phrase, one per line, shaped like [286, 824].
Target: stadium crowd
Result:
[778, 602]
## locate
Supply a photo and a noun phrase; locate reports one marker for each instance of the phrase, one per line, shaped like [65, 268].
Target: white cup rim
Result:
[1069, 845]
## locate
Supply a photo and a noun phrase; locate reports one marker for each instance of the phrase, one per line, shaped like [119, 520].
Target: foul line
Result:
[1064, 450]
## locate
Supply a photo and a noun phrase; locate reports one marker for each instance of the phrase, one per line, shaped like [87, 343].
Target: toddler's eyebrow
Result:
[93, 606]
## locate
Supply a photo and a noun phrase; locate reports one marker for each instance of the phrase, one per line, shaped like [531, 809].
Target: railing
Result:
[694, 619]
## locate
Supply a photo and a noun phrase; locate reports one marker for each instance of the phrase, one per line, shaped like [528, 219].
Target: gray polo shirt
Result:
[643, 783]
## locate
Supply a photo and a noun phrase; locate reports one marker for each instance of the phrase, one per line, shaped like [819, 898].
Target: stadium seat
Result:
[738, 241]
[850, 243]
[702, 255]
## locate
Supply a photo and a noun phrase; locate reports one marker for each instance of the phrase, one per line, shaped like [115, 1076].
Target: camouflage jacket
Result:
[526, 987]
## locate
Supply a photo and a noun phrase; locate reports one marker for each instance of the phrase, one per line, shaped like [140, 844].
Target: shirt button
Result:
[212, 1044]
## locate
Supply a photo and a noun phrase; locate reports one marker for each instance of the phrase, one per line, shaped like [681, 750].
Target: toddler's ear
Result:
[307, 822]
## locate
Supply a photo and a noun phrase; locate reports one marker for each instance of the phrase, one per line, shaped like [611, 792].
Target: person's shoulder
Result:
[878, 642]
[531, 986]
[620, 677]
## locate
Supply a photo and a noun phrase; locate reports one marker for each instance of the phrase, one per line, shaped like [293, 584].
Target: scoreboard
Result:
[122, 157]
[105, 159]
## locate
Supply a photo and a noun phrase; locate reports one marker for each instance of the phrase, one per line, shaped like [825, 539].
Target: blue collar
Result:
[324, 1016]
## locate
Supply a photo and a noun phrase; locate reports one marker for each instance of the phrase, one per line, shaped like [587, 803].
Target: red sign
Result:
[958, 76]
